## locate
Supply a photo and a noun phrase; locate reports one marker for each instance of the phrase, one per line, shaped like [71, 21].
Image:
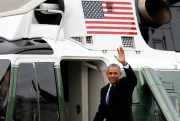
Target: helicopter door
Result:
[74, 102]
[95, 83]
[82, 82]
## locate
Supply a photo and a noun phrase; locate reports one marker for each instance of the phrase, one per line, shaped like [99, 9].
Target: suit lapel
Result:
[111, 93]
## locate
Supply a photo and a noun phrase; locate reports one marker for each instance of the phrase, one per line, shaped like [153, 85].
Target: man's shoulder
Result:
[105, 87]
[123, 79]
[126, 81]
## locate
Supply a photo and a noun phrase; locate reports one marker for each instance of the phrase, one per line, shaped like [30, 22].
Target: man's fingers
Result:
[121, 50]
[116, 57]
[118, 51]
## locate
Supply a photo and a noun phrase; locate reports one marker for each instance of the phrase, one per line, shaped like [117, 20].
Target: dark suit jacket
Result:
[120, 99]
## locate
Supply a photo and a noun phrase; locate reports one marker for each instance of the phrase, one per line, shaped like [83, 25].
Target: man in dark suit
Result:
[116, 97]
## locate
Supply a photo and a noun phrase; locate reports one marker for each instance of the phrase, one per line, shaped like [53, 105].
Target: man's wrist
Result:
[126, 66]
[124, 63]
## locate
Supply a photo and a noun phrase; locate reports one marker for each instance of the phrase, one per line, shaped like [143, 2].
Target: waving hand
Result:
[121, 56]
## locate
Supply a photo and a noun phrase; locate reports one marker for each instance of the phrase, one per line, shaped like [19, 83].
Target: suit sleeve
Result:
[100, 115]
[131, 76]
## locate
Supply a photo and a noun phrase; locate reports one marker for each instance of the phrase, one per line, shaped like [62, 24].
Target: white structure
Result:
[83, 43]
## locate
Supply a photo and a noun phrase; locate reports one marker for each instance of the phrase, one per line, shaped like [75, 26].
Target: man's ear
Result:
[120, 73]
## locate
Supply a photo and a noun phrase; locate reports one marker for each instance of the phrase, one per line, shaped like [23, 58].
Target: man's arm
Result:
[130, 74]
[128, 70]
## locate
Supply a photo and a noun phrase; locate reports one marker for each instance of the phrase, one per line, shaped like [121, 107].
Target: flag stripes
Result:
[109, 17]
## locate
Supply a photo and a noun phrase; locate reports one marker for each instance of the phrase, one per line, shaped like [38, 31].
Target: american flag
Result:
[109, 17]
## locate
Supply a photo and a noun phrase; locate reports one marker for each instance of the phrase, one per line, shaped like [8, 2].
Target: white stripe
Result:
[118, 10]
[112, 25]
[111, 30]
[111, 20]
[112, 0]
[115, 0]
[118, 15]
[118, 5]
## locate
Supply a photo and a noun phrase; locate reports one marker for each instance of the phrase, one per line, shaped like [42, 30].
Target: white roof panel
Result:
[14, 7]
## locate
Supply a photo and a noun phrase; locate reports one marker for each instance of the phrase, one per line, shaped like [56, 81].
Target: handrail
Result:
[160, 94]
[54, 12]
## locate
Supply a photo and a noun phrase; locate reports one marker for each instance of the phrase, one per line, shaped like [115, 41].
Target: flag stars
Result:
[93, 9]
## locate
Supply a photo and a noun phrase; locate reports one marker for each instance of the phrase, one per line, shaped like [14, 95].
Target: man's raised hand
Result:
[121, 56]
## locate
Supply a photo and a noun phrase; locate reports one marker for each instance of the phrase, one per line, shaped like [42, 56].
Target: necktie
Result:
[107, 95]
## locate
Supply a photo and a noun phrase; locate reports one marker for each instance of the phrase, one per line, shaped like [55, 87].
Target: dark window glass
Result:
[4, 86]
[47, 91]
[26, 102]
[36, 96]
[147, 108]
[158, 114]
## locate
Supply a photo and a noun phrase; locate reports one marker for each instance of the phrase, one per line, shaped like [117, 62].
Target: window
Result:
[4, 86]
[36, 96]
[170, 80]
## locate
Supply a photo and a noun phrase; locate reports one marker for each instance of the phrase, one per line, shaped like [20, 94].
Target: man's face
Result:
[113, 74]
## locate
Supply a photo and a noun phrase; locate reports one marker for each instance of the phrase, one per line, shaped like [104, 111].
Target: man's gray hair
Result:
[114, 65]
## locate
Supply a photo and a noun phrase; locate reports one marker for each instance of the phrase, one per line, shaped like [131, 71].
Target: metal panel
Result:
[14, 7]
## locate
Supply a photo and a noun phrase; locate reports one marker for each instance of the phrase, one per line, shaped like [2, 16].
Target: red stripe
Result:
[124, 13]
[121, 8]
[122, 18]
[107, 27]
[112, 2]
[109, 22]
[97, 32]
